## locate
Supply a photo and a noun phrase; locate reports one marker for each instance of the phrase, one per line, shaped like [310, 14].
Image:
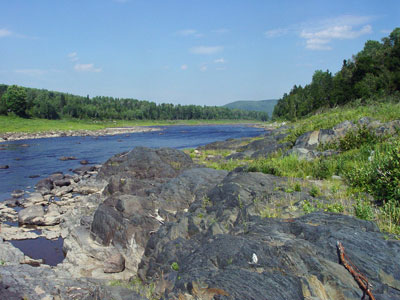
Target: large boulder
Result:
[33, 215]
[142, 197]
[146, 163]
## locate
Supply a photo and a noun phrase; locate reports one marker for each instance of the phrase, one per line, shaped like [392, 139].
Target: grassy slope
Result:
[353, 165]
[16, 124]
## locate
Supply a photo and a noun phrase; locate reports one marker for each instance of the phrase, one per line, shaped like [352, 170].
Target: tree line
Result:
[36, 103]
[371, 75]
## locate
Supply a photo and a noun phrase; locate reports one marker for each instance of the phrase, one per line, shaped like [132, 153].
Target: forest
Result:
[371, 75]
[40, 103]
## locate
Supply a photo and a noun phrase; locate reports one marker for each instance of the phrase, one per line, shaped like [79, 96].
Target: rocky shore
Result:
[14, 136]
[152, 224]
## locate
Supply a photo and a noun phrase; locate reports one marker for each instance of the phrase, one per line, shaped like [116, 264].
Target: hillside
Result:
[253, 105]
[371, 75]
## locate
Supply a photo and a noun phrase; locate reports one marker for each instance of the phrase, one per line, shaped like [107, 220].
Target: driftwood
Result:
[358, 276]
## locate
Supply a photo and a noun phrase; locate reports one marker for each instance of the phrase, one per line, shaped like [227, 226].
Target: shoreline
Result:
[16, 136]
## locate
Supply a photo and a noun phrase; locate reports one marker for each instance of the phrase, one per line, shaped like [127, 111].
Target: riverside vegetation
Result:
[361, 179]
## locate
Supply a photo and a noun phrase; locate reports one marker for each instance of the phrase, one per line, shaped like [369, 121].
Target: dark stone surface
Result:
[62, 182]
[3, 167]
[213, 245]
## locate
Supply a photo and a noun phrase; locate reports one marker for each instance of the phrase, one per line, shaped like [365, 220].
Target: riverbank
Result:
[15, 128]
[14, 136]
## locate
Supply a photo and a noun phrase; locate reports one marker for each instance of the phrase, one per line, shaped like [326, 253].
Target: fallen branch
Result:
[358, 276]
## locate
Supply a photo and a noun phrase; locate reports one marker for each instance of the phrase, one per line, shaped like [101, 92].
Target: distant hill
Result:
[261, 105]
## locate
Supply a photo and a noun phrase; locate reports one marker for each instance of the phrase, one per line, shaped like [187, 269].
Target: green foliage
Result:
[354, 139]
[334, 207]
[363, 210]
[323, 169]
[15, 99]
[374, 73]
[308, 207]
[389, 218]
[380, 173]
[314, 191]
[54, 105]
[175, 266]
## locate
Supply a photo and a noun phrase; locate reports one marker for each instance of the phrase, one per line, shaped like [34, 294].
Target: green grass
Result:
[381, 111]
[16, 124]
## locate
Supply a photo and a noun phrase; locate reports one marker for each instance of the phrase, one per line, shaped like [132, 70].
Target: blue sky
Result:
[183, 51]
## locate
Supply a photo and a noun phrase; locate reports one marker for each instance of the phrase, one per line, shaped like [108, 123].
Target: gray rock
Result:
[33, 215]
[114, 264]
[9, 254]
[67, 158]
[18, 193]
[62, 182]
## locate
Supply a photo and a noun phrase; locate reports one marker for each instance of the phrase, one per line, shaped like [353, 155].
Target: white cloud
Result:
[189, 32]
[5, 32]
[86, 68]
[36, 72]
[221, 31]
[73, 56]
[31, 72]
[186, 32]
[319, 36]
[220, 60]
[203, 68]
[276, 32]
[184, 67]
[319, 39]
[206, 49]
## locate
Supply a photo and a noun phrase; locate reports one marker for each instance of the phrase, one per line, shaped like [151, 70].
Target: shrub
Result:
[380, 175]
[314, 192]
[363, 210]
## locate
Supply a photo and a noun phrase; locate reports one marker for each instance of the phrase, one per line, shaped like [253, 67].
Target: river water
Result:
[32, 160]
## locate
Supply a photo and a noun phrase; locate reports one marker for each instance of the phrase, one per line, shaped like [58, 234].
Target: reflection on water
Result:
[41, 248]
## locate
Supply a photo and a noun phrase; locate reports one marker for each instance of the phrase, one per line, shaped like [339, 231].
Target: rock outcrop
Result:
[193, 232]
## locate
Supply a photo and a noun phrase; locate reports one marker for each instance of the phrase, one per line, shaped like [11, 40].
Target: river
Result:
[32, 160]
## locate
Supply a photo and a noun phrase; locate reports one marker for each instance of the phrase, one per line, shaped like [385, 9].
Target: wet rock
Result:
[67, 158]
[18, 193]
[33, 215]
[84, 162]
[62, 182]
[44, 186]
[34, 176]
[4, 167]
[84, 169]
[11, 202]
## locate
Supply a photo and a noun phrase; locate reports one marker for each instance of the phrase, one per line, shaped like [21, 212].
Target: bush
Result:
[363, 210]
[380, 174]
